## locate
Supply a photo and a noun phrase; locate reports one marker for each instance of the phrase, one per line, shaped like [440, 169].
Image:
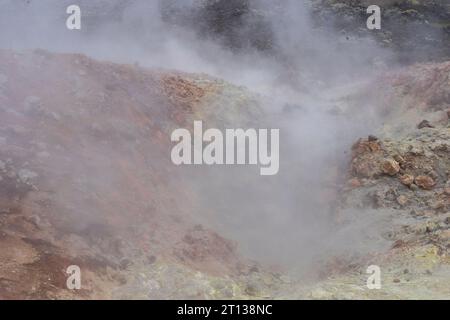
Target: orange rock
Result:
[425, 182]
[407, 179]
[390, 167]
[364, 146]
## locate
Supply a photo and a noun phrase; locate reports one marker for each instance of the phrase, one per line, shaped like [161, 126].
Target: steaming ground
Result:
[99, 133]
[296, 74]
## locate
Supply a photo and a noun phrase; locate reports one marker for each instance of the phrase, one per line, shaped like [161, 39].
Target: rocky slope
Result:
[130, 234]
[84, 173]
[400, 179]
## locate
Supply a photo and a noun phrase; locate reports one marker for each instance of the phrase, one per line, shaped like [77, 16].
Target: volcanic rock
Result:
[425, 182]
[390, 167]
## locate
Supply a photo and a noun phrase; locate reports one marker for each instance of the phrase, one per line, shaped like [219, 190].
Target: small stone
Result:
[425, 182]
[425, 124]
[402, 200]
[396, 280]
[407, 179]
[372, 138]
[390, 167]
[447, 191]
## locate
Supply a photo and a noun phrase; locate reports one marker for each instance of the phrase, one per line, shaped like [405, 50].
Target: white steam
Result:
[287, 218]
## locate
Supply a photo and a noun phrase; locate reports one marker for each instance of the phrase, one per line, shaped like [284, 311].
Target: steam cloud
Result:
[306, 71]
